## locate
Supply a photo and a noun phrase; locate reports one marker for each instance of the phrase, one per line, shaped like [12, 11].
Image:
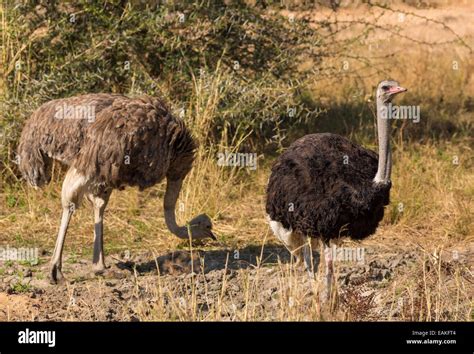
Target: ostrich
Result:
[325, 186]
[108, 141]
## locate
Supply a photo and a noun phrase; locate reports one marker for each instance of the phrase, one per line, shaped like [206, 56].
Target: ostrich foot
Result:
[55, 274]
[99, 268]
[109, 273]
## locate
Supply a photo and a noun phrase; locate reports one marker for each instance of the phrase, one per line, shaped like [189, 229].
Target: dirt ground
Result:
[143, 287]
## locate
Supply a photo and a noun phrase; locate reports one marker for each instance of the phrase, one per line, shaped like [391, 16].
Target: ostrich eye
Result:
[385, 87]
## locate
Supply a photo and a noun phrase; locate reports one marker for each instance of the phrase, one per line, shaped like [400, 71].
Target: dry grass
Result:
[431, 213]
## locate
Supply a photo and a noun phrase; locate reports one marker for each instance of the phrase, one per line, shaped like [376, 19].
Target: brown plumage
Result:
[45, 137]
[109, 141]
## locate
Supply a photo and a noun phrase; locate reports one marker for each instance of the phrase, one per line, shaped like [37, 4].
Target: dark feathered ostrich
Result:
[109, 142]
[325, 186]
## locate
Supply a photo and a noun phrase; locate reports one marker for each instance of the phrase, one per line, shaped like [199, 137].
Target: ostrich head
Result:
[201, 227]
[386, 91]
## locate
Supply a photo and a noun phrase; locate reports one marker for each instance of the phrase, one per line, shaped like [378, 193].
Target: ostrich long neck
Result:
[383, 127]
[171, 196]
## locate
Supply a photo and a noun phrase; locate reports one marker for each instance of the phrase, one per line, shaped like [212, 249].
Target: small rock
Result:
[380, 274]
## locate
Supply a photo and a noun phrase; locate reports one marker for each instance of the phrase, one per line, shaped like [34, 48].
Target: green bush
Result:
[58, 50]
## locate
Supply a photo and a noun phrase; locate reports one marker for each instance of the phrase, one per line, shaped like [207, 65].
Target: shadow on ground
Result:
[206, 261]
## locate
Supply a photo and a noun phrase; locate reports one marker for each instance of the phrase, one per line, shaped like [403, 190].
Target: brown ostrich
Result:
[108, 141]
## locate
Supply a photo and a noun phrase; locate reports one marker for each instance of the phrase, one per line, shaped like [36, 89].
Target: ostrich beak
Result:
[211, 235]
[396, 89]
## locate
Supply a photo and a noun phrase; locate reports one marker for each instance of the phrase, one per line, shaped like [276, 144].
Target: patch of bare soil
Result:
[16, 307]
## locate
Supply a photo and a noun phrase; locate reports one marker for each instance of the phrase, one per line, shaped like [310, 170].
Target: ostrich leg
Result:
[295, 243]
[99, 201]
[329, 272]
[292, 240]
[308, 258]
[55, 270]
[71, 193]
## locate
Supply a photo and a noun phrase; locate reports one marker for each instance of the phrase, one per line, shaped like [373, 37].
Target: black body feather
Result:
[322, 186]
